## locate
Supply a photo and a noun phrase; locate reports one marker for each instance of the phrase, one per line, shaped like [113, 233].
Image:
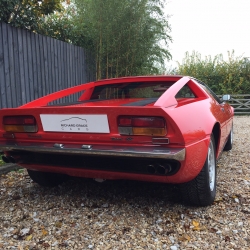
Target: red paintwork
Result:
[190, 123]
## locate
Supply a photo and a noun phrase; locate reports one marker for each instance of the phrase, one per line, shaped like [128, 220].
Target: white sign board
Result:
[75, 123]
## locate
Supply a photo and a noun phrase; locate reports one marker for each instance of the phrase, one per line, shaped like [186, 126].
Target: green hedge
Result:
[223, 76]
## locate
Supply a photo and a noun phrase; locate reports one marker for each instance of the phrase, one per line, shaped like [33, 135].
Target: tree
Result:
[126, 35]
[61, 25]
[27, 14]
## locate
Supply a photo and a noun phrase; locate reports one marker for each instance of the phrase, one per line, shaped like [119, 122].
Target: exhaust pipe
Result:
[8, 159]
[163, 169]
[151, 169]
[5, 159]
[12, 159]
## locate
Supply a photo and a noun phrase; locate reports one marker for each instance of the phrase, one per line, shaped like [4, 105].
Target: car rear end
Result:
[107, 133]
[126, 142]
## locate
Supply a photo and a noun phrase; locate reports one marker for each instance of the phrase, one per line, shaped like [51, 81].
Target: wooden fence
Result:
[32, 65]
[241, 104]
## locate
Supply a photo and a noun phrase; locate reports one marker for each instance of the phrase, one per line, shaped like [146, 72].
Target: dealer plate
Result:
[75, 123]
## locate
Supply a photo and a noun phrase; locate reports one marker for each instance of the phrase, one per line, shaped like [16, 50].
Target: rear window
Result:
[185, 92]
[130, 90]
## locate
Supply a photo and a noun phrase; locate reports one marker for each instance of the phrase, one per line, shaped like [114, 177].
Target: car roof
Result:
[140, 78]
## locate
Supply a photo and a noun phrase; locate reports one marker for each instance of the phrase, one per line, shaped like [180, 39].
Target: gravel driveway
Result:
[83, 214]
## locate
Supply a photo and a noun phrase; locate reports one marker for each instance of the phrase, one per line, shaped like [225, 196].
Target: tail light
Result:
[21, 124]
[146, 125]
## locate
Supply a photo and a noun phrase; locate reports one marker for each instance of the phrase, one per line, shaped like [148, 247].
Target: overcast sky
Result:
[210, 27]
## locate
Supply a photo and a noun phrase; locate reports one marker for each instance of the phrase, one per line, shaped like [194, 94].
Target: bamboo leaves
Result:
[126, 35]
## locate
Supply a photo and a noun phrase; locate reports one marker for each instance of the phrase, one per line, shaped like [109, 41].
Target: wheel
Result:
[229, 144]
[47, 179]
[201, 190]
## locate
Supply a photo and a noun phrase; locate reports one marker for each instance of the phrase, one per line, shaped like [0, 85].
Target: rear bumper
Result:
[112, 162]
[149, 152]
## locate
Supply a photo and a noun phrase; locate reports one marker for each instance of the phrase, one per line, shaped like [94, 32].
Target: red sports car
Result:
[169, 129]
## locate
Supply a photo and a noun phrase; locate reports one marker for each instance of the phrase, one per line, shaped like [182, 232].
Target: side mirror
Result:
[226, 98]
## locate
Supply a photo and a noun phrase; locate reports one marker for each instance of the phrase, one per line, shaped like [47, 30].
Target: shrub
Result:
[231, 76]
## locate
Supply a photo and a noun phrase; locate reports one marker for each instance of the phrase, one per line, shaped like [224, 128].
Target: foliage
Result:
[61, 25]
[27, 13]
[126, 35]
[231, 76]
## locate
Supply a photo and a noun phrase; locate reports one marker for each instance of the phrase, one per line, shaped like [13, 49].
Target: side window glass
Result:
[211, 92]
[208, 90]
[185, 92]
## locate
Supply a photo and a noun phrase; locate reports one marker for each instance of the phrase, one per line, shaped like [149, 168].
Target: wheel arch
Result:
[216, 132]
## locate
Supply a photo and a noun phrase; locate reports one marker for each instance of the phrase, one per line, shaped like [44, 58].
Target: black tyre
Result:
[201, 190]
[229, 144]
[47, 179]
